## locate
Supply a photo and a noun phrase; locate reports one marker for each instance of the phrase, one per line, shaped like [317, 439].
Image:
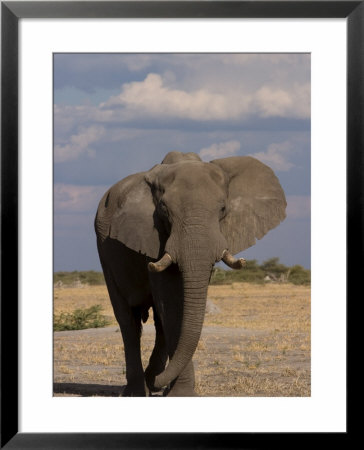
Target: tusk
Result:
[231, 261]
[160, 265]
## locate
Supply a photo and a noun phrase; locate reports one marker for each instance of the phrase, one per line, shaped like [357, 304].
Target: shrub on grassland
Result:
[299, 275]
[89, 277]
[80, 319]
[255, 273]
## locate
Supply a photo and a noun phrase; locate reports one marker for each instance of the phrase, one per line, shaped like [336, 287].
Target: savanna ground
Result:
[255, 342]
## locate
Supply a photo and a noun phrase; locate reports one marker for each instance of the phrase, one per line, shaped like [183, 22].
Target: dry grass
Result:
[257, 345]
[69, 299]
[282, 307]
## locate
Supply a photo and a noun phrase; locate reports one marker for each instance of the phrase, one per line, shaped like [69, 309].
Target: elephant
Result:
[159, 234]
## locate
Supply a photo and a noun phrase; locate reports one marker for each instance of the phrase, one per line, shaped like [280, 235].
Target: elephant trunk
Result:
[196, 271]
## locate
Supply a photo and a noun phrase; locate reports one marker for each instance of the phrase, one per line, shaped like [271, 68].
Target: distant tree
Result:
[299, 275]
[274, 268]
[85, 277]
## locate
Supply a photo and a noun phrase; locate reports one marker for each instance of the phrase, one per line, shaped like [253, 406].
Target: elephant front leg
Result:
[129, 320]
[131, 331]
[134, 369]
[184, 384]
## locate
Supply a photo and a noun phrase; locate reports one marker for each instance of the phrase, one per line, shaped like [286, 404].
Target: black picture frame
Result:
[11, 12]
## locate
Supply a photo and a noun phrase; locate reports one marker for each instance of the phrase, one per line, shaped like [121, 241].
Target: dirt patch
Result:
[257, 344]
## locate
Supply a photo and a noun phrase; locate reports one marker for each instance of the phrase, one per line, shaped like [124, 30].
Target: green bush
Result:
[255, 273]
[250, 273]
[274, 267]
[299, 275]
[86, 277]
[218, 276]
[80, 319]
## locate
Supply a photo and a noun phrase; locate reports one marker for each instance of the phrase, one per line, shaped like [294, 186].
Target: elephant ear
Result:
[256, 201]
[127, 214]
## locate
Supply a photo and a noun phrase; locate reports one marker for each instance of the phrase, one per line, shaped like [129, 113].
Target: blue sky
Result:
[117, 114]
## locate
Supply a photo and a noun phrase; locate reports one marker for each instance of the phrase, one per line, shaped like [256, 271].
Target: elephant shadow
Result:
[90, 390]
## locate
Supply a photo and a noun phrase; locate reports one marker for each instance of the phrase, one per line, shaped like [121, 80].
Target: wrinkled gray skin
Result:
[193, 211]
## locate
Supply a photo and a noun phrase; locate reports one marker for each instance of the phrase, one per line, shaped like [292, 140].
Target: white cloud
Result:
[66, 116]
[77, 127]
[151, 97]
[69, 198]
[279, 102]
[79, 144]
[221, 150]
[298, 206]
[277, 156]
[272, 102]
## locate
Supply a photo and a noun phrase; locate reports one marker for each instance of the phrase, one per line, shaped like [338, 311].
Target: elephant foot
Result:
[135, 390]
[184, 384]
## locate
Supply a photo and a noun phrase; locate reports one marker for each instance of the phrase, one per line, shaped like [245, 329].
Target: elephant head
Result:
[191, 213]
